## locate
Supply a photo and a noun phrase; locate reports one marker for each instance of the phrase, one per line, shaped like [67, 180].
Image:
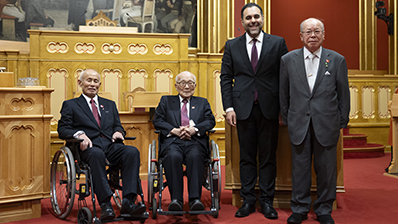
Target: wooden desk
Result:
[283, 186]
[138, 124]
[25, 115]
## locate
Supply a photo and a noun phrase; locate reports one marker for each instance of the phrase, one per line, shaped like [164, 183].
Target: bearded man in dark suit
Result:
[250, 95]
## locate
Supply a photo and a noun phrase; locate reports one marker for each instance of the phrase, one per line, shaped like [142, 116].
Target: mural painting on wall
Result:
[168, 16]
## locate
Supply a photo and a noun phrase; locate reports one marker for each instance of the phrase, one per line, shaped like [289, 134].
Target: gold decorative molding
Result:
[26, 104]
[57, 47]
[141, 72]
[78, 72]
[56, 71]
[108, 48]
[159, 72]
[137, 49]
[81, 48]
[159, 49]
[116, 72]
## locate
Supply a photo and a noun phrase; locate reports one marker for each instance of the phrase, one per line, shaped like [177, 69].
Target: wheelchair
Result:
[156, 182]
[66, 168]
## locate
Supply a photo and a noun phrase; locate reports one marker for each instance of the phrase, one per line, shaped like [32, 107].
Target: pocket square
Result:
[327, 73]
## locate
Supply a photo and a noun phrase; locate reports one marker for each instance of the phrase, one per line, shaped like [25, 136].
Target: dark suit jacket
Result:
[328, 105]
[76, 115]
[168, 116]
[238, 80]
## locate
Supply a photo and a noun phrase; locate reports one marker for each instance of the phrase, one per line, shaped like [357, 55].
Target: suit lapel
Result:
[243, 52]
[176, 107]
[321, 68]
[264, 50]
[192, 111]
[83, 104]
[101, 103]
[300, 68]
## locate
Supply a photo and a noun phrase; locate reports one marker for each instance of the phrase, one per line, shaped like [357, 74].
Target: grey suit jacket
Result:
[327, 106]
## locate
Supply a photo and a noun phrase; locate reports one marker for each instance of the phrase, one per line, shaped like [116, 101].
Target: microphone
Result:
[132, 19]
[239, 32]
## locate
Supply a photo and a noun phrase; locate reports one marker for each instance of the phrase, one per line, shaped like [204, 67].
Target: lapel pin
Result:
[193, 107]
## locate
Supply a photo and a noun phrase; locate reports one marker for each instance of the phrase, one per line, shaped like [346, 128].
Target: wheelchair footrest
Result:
[142, 216]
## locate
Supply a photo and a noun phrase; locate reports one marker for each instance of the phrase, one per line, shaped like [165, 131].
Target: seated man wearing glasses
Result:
[183, 121]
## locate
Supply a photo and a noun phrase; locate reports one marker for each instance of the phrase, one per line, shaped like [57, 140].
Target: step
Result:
[357, 140]
[370, 150]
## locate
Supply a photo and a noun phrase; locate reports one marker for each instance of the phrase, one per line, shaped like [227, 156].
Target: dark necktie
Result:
[254, 56]
[254, 61]
[184, 114]
[95, 112]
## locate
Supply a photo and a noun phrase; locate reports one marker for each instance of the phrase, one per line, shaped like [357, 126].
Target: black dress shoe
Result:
[175, 205]
[325, 219]
[107, 212]
[130, 208]
[196, 205]
[268, 211]
[296, 218]
[245, 210]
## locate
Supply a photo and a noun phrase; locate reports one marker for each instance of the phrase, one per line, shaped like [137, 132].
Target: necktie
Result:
[254, 61]
[184, 114]
[95, 112]
[254, 56]
[311, 72]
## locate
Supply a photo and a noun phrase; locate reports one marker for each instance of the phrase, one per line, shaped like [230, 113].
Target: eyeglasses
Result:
[182, 84]
[309, 32]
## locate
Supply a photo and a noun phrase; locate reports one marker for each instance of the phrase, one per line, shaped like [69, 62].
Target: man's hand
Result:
[187, 132]
[86, 143]
[231, 118]
[117, 135]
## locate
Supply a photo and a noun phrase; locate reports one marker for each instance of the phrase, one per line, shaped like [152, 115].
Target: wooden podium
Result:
[393, 168]
[25, 115]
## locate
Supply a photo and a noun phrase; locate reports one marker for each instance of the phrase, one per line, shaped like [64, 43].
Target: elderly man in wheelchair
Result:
[183, 121]
[96, 121]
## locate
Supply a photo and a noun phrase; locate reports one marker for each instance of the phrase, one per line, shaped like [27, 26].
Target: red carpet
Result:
[370, 198]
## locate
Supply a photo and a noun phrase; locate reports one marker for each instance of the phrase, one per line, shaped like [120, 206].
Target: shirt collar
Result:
[317, 52]
[88, 99]
[181, 99]
[259, 38]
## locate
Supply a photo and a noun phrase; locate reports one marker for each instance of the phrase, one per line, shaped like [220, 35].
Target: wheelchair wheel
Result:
[117, 199]
[84, 216]
[217, 205]
[154, 209]
[63, 182]
[217, 172]
[151, 170]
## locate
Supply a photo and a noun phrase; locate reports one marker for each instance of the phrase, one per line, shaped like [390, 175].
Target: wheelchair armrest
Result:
[130, 138]
[125, 138]
[211, 131]
[157, 131]
[74, 140]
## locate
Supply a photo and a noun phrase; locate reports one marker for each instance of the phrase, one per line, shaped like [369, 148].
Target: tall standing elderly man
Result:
[183, 121]
[250, 95]
[315, 104]
[96, 120]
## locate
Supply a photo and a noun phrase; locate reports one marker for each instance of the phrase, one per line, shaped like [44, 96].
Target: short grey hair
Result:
[318, 20]
[85, 71]
[194, 77]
